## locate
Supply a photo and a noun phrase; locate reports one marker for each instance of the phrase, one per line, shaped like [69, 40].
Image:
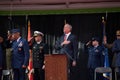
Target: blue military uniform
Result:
[20, 57]
[96, 59]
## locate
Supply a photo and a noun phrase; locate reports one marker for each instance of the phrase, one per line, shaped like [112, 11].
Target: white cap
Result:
[38, 33]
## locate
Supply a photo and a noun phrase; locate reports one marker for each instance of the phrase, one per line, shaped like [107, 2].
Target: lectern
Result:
[56, 67]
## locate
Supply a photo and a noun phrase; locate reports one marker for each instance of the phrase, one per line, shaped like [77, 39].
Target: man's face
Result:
[15, 36]
[38, 38]
[66, 29]
[95, 43]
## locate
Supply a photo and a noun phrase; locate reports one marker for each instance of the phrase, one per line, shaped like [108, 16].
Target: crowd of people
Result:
[18, 53]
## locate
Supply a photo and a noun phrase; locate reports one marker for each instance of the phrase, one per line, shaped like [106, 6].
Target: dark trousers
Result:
[71, 70]
[72, 75]
[38, 74]
[19, 73]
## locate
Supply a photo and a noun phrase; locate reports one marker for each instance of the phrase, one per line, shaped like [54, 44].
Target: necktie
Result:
[65, 37]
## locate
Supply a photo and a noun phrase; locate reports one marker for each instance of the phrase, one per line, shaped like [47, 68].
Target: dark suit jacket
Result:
[116, 49]
[70, 49]
[20, 53]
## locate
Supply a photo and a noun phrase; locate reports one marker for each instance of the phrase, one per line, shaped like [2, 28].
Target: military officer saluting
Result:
[20, 55]
[39, 49]
[95, 58]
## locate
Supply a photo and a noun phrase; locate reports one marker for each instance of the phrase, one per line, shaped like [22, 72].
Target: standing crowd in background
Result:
[18, 54]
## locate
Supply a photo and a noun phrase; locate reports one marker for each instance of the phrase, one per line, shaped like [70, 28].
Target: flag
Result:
[30, 66]
[29, 31]
[105, 52]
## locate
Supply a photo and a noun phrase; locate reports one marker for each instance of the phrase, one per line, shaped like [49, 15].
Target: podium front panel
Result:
[56, 67]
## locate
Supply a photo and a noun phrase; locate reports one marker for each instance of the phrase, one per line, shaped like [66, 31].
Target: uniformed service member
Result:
[39, 49]
[95, 58]
[20, 55]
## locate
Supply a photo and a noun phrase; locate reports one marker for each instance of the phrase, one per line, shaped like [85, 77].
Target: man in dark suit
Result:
[20, 55]
[116, 50]
[115, 46]
[67, 44]
[39, 49]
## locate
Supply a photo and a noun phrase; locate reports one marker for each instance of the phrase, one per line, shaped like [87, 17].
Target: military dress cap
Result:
[15, 31]
[118, 32]
[38, 33]
[95, 39]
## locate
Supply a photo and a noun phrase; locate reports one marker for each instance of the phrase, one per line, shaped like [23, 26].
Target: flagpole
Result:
[29, 38]
[105, 52]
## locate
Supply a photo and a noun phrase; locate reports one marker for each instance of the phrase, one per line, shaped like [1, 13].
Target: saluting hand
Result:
[104, 39]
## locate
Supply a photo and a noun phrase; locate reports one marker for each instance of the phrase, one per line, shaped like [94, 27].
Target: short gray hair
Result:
[70, 26]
